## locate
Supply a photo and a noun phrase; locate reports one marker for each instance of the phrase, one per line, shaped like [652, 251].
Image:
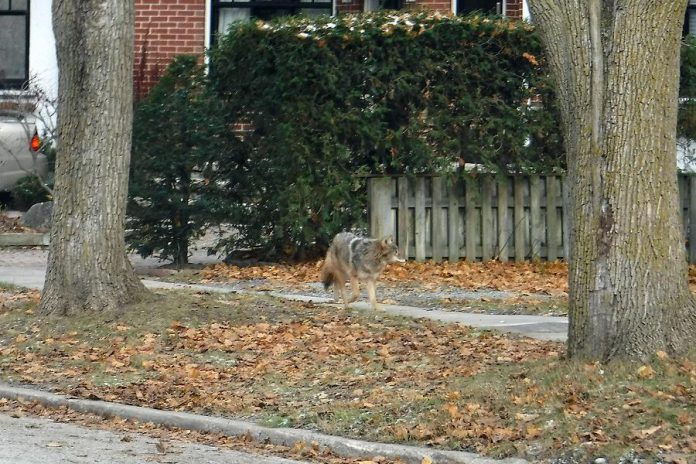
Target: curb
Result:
[8, 239]
[345, 447]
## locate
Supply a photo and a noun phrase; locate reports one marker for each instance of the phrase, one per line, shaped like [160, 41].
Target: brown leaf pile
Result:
[11, 299]
[550, 278]
[358, 374]
[10, 224]
[527, 277]
[302, 370]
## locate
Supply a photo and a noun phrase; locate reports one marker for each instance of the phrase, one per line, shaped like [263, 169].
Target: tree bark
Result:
[88, 268]
[616, 66]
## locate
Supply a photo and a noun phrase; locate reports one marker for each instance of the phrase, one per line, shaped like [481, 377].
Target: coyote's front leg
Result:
[372, 294]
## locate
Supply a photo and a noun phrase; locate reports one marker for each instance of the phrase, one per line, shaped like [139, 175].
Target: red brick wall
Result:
[350, 6]
[164, 29]
[513, 9]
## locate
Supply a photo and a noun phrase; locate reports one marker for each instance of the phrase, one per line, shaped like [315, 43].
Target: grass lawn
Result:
[357, 374]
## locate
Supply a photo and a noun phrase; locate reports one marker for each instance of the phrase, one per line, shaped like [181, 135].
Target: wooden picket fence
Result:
[515, 217]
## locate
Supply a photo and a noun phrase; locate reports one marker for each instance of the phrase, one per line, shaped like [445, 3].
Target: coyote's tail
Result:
[327, 273]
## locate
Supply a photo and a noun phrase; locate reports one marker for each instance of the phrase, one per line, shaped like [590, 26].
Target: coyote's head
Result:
[390, 253]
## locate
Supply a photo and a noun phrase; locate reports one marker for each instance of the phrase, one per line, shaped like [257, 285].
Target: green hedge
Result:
[333, 99]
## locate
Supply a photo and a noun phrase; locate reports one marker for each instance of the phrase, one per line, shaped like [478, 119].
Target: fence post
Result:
[471, 226]
[453, 221]
[419, 219]
[380, 207]
[537, 232]
[487, 232]
[437, 216]
[403, 217]
[503, 232]
[520, 223]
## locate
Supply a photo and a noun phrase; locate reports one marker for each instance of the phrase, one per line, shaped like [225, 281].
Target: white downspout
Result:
[208, 14]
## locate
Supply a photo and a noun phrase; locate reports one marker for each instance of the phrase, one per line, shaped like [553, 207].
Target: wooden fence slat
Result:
[419, 219]
[380, 206]
[552, 224]
[453, 221]
[503, 232]
[487, 232]
[437, 217]
[520, 224]
[471, 226]
[533, 233]
[403, 216]
[535, 216]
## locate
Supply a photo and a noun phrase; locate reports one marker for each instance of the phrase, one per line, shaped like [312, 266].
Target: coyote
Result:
[357, 258]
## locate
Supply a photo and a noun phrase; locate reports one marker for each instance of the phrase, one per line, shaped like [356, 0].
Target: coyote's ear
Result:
[388, 240]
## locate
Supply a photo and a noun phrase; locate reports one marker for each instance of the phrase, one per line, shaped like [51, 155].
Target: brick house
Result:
[165, 28]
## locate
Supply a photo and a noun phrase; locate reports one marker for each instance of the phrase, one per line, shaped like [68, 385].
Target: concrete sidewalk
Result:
[27, 268]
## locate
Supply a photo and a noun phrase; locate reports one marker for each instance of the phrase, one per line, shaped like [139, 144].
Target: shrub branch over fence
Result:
[486, 216]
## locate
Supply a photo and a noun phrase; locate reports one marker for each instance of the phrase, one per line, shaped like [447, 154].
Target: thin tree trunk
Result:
[87, 264]
[616, 65]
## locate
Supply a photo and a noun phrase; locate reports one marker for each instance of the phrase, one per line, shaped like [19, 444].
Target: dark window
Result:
[14, 43]
[225, 12]
[374, 5]
[690, 20]
[485, 6]
[390, 4]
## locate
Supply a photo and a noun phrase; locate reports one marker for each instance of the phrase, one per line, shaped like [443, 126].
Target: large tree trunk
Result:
[616, 65]
[87, 264]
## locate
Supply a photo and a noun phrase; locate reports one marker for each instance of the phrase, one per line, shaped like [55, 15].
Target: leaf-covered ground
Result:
[527, 277]
[12, 224]
[357, 374]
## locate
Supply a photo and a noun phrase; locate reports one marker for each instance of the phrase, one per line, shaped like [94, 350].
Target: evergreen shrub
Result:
[330, 100]
[179, 135]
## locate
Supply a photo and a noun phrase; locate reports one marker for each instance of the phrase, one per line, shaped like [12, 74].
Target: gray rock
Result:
[39, 216]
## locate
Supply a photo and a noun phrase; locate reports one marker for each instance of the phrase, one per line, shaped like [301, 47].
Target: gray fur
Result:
[356, 258]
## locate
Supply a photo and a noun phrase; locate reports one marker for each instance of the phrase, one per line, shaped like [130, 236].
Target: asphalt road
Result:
[42, 441]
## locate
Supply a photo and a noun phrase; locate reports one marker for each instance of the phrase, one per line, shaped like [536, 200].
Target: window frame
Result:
[18, 84]
[499, 6]
[217, 5]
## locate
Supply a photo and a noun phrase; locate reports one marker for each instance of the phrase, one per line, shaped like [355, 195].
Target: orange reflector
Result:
[35, 143]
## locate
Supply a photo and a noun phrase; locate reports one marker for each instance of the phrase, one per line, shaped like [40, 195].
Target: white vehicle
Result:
[19, 149]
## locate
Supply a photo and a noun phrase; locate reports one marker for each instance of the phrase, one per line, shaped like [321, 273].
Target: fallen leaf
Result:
[650, 431]
[645, 372]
